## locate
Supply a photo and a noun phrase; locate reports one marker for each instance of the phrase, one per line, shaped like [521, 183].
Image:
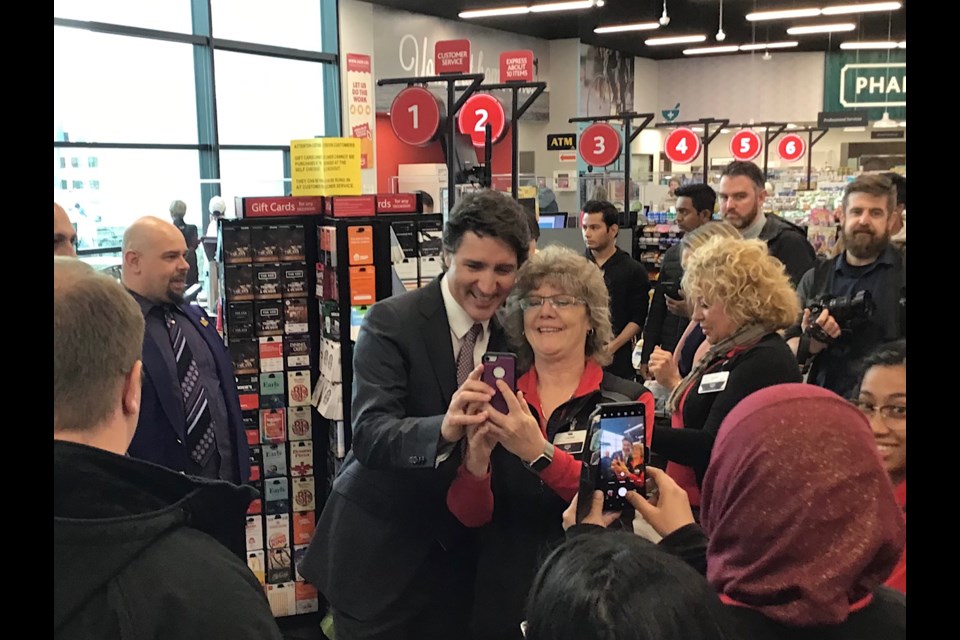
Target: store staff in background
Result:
[533, 225]
[137, 549]
[427, 201]
[178, 209]
[843, 331]
[387, 553]
[742, 194]
[64, 235]
[627, 282]
[670, 200]
[190, 418]
[668, 316]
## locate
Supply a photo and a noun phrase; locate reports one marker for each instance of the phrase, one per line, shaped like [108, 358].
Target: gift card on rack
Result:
[304, 522]
[360, 244]
[301, 458]
[238, 282]
[255, 560]
[244, 354]
[431, 237]
[291, 242]
[307, 600]
[273, 428]
[298, 385]
[297, 350]
[274, 460]
[248, 386]
[269, 317]
[265, 241]
[363, 285]
[298, 553]
[283, 599]
[254, 533]
[271, 354]
[408, 272]
[279, 566]
[267, 281]
[237, 248]
[240, 321]
[278, 531]
[256, 463]
[331, 319]
[330, 361]
[430, 268]
[256, 505]
[250, 419]
[405, 232]
[253, 436]
[304, 494]
[299, 423]
[356, 319]
[272, 392]
[294, 278]
[276, 496]
[295, 315]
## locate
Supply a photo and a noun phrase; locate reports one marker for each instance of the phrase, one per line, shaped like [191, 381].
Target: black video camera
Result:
[848, 311]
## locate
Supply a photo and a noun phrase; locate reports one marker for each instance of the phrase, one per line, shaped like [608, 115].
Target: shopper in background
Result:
[190, 416]
[742, 194]
[534, 227]
[387, 553]
[619, 586]
[139, 551]
[839, 325]
[882, 397]
[669, 200]
[427, 201]
[665, 324]
[513, 481]
[626, 280]
[64, 235]
[741, 297]
[898, 223]
[178, 209]
[800, 525]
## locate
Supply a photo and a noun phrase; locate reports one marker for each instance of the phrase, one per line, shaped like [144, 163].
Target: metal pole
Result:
[706, 150]
[809, 155]
[451, 146]
[515, 144]
[626, 166]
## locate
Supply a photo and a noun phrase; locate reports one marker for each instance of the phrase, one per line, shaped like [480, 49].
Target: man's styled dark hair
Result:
[618, 586]
[426, 198]
[610, 214]
[872, 184]
[532, 225]
[742, 168]
[489, 214]
[900, 182]
[701, 195]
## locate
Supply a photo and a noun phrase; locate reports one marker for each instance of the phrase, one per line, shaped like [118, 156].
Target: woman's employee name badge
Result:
[570, 441]
[714, 382]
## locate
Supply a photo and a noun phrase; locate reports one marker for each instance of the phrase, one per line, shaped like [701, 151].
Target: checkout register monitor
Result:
[553, 220]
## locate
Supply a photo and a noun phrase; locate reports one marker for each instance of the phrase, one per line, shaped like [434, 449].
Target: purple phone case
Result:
[491, 361]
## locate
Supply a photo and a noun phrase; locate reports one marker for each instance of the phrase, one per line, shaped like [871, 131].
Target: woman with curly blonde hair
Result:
[742, 297]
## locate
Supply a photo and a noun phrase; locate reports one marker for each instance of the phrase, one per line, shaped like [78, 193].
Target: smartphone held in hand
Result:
[499, 366]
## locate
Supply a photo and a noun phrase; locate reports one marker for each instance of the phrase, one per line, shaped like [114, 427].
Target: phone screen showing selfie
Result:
[620, 453]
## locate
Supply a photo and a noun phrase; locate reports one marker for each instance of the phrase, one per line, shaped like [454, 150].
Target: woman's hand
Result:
[664, 368]
[480, 443]
[669, 510]
[517, 430]
[597, 515]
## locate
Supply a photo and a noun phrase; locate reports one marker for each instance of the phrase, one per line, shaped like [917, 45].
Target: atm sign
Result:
[561, 141]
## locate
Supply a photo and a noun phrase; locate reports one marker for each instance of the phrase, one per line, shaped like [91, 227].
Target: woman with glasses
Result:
[882, 397]
[522, 468]
[741, 297]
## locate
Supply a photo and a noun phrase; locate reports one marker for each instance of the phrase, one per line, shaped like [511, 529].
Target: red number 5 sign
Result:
[745, 145]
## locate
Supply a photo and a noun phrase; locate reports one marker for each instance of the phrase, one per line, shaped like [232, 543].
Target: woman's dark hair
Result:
[489, 214]
[617, 586]
[891, 354]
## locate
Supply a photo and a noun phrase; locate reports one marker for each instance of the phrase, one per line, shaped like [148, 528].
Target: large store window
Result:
[161, 100]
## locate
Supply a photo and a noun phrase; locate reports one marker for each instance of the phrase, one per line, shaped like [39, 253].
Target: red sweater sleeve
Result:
[470, 499]
[562, 475]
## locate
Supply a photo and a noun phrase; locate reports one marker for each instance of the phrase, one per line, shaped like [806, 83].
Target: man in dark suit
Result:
[190, 417]
[387, 554]
[178, 209]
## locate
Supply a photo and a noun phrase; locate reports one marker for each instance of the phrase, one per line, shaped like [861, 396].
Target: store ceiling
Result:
[686, 17]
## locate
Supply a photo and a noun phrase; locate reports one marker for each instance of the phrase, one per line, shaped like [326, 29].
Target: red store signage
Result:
[600, 144]
[452, 56]
[516, 66]
[397, 203]
[477, 112]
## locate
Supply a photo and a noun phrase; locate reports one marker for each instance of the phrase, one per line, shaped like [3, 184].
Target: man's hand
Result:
[677, 307]
[480, 443]
[669, 510]
[596, 516]
[644, 371]
[826, 323]
[460, 413]
[517, 430]
[664, 369]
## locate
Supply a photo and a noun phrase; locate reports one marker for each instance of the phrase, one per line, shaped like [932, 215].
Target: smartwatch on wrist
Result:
[544, 459]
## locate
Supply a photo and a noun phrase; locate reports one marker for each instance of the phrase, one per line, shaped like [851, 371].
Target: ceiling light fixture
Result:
[664, 18]
[731, 48]
[536, 8]
[656, 42]
[885, 122]
[721, 36]
[620, 28]
[845, 9]
[784, 14]
[490, 13]
[766, 56]
[821, 28]
[562, 6]
[869, 45]
[902, 44]
[760, 46]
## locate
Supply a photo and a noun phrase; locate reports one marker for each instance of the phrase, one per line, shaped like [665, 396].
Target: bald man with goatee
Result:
[190, 418]
[64, 235]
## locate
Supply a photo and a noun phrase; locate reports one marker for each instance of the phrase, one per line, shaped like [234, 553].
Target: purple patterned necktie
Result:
[465, 356]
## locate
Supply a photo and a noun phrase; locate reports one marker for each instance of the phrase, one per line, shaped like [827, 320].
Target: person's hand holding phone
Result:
[517, 430]
[461, 411]
[480, 443]
[596, 516]
[677, 305]
[669, 510]
[664, 368]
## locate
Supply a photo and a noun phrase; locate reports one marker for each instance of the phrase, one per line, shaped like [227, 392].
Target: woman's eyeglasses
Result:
[559, 302]
[894, 416]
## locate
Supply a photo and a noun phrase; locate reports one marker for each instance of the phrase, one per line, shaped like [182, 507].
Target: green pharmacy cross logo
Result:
[671, 114]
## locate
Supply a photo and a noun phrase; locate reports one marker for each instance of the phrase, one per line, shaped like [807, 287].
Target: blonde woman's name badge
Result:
[714, 382]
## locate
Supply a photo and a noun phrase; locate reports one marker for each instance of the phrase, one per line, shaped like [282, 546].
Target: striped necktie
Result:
[465, 355]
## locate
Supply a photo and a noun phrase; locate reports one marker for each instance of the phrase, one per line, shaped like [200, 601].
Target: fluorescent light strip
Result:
[860, 8]
[760, 46]
[636, 26]
[561, 6]
[780, 15]
[656, 42]
[489, 13]
[868, 45]
[821, 28]
[902, 44]
[707, 50]
[536, 8]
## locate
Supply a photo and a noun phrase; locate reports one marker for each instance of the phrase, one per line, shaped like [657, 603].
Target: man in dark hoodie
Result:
[742, 194]
[139, 550]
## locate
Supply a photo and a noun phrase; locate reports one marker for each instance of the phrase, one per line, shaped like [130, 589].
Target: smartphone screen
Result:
[618, 447]
[672, 289]
[499, 366]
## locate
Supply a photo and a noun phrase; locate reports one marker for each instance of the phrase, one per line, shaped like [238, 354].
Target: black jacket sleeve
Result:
[639, 296]
[689, 543]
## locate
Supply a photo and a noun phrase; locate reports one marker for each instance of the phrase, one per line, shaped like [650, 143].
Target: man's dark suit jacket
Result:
[388, 504]
[161, 431]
